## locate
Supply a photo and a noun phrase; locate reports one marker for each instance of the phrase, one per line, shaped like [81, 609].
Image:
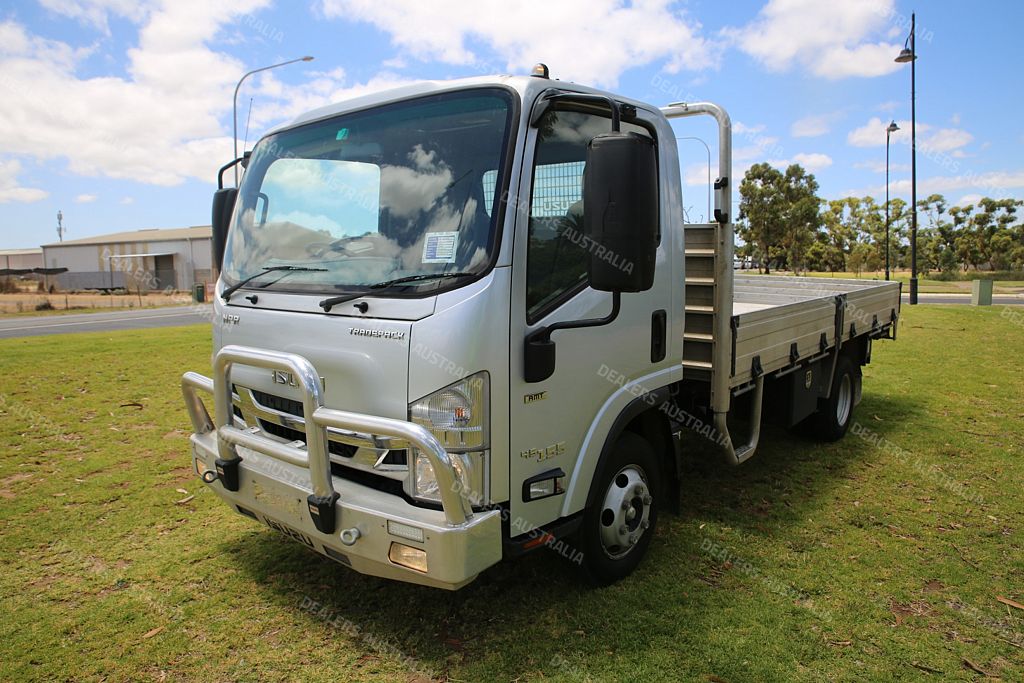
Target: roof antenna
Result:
[248, 118]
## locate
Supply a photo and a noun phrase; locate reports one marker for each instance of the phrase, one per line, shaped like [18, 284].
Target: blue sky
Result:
[118, 113]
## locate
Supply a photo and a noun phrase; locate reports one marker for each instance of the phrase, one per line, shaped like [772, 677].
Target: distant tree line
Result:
[786, 226]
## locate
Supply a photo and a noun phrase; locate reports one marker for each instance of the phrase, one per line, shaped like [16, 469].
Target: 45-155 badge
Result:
[546, 453]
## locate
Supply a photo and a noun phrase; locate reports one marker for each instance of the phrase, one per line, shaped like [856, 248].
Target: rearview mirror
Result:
[220, 219]
[620, 211]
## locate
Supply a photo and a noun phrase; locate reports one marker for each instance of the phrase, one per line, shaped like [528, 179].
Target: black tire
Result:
[836, 412]
[631, 476]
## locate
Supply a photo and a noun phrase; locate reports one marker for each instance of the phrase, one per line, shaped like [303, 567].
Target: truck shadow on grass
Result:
[793, 472]
[538, 616]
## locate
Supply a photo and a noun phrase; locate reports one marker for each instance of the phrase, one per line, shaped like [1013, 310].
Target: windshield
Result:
[401, 191]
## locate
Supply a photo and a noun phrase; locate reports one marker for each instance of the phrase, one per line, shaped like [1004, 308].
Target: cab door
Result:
[550, 420]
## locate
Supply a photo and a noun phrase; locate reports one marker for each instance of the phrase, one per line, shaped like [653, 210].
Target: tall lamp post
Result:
[892, 128]
[708, 214]
[909, 54]
[234, 106]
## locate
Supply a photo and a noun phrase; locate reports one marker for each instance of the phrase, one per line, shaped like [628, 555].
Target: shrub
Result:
[961, 276]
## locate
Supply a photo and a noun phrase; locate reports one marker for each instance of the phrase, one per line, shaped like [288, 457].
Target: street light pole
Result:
[910, 55]
[234, 105]
[708, 215]
[890, 129]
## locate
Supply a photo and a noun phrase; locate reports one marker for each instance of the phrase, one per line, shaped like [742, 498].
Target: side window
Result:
[556, 260]
[487, 183]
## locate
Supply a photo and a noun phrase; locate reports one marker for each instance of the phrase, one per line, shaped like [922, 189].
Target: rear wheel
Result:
[836, 412]
[618, 526]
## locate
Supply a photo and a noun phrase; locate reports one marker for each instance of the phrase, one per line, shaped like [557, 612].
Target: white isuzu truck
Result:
[460, 320]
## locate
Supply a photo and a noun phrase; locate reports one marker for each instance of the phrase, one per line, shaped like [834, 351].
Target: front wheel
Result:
[618, 526]
[836, 412]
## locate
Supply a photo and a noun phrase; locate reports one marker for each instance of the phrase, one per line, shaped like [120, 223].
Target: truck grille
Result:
[285, 405]
[256, 413]
[343, 449]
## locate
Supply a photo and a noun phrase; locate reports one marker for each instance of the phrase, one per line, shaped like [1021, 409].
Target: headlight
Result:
[457, 416]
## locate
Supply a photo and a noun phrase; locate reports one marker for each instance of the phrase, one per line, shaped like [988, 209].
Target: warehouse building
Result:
[21, 259]
[175, 259]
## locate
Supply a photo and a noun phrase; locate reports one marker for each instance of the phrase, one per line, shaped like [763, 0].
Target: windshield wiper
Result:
[226, 294]
[328, 304]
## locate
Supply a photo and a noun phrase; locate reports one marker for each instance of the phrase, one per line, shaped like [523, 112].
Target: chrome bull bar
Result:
[315, 455]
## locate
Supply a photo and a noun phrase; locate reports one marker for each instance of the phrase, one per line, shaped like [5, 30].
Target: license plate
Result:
[289, 532]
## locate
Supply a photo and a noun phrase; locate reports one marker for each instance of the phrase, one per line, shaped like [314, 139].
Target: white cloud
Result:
[697, 174]
[11, 190]
[95, 13]
[814, 126]
[929, 139]
[127, 200]
[162, 122]
[740, 128]
[879, 166]
[868, 60]
[759, 150]
[943, 140]
[590, 41]
[989, 184]
[85, 198]
[159, 125]
[830, 39]
[813, 162]
[969, 199]
[872, 133]
[275, 102]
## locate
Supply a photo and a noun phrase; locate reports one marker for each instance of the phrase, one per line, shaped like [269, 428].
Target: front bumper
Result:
[290, 487]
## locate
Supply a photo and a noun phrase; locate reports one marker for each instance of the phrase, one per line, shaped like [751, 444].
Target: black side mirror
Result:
[620, 211]
[220, 219]
[223, 207]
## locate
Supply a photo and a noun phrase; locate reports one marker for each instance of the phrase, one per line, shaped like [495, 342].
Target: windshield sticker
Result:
[440, 247]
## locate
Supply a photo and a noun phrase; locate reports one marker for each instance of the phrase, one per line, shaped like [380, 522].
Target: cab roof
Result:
[526, 86]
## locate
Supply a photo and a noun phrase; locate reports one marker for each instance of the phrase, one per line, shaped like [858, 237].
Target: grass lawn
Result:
[877, 558]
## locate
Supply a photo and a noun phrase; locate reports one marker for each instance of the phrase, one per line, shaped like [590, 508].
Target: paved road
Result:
[190, 315]
[103, 322]
[997, 300]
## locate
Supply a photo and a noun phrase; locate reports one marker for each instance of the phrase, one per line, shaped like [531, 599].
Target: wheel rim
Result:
[626, 512]
[844, 401]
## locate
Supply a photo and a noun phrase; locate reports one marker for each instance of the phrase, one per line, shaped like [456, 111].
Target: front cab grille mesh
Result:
[293, 407]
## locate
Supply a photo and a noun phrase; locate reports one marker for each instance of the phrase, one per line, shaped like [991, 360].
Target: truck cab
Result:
[454, 323]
